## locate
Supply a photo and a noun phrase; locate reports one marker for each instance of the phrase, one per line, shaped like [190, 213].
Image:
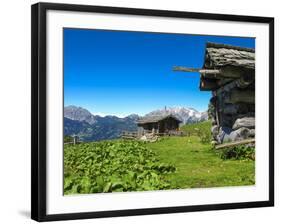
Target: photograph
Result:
[139, 111]
[150, 111]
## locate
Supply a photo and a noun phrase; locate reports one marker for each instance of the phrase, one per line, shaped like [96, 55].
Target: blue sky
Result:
[120, 73]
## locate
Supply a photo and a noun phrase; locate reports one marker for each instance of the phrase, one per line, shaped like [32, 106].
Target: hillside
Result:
[79, 121]
[185, 114]
[170, 163]
[89, 127]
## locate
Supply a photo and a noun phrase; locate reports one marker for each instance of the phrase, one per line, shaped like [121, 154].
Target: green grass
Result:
[201, 129]
[198, 165]
[193, 129]
[171, 163]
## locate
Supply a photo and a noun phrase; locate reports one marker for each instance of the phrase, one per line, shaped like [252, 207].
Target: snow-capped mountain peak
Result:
[185, 114]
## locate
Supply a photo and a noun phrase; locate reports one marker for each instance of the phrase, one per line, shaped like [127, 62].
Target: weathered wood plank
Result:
[230, 109]
[229, 72]
[200, 70]
[245, 81]
[207, 85]
[231, 144]
[237, 96]
[223, 82]
[232, 72]
[227, 87]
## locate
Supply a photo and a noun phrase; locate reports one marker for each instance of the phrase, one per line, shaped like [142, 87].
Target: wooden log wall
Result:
[233, 101]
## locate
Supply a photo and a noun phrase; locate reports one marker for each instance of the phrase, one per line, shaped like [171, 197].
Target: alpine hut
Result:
[229, 73]
[159, 124]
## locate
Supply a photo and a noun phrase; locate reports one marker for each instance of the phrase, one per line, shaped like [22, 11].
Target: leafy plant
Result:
[205, 137]
[67, 138]
[109, 166]
[237, 152]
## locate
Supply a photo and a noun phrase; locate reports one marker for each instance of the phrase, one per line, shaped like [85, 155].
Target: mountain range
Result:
[186, 115]
[79, 121]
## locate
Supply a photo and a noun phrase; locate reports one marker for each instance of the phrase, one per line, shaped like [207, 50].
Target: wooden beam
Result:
[185, 69]
[224, 81]
[246, 96]
[202, 71]
[229, 86]
[229, 72]
[232, 72]
[242, 83]
[207, 85]
[231, 144]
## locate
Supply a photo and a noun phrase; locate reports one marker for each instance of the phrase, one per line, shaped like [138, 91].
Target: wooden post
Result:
[75, 139]
[158, 128]
[216, 108]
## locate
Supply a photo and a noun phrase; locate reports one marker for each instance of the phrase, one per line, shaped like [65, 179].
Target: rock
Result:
[214, 122]
[149, 137]
[247, 122]
[240, 134]
[228, 135]
[224, 134]
[214, 143]
[252, 133]
[215, 130]
[143, 138]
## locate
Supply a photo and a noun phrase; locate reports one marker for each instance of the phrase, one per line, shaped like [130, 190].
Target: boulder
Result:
[224, 135]
[252, 133]
[229, 135]
[247, 122]
[143, 138]
[240, 134]
[149, 137]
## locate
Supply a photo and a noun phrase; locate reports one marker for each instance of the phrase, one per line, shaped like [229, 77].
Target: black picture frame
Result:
[38, 110]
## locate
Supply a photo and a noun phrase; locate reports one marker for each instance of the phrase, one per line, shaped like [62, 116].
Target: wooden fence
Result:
[129, 135]
[75, 140]
[135, 135]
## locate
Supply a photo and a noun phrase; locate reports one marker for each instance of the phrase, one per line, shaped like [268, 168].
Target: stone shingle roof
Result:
[155, 119]
[220, 55]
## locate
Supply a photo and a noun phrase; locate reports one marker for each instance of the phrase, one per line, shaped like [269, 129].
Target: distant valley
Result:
[89, 127]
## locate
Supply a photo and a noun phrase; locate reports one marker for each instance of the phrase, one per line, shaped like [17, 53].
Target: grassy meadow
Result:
[170, 163]
[198, 165]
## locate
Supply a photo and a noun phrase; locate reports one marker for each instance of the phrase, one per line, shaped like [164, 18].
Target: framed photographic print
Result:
[139, 111]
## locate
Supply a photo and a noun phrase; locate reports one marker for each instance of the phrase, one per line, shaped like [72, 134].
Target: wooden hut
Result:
[159, 124]
[229, 73]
